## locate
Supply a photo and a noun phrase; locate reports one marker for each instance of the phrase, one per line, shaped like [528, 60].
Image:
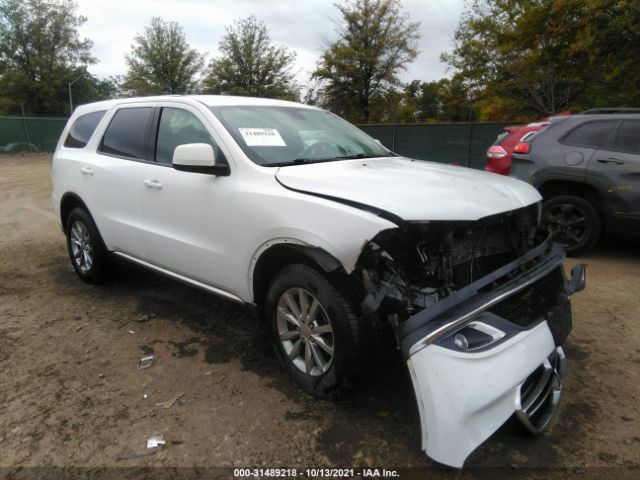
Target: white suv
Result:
[336, 240]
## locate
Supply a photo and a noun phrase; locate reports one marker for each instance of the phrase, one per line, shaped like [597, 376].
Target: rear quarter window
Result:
[628, 137]
[82, 129]
[592, 134]
[126, 135]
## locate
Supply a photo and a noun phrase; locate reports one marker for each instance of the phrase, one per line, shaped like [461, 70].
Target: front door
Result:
[186, 214]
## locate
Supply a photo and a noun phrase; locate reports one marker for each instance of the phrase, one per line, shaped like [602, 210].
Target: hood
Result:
[412, 189]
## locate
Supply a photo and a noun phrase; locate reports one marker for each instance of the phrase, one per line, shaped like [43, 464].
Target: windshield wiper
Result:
[296, 161]
[357, 155]
[303, 161]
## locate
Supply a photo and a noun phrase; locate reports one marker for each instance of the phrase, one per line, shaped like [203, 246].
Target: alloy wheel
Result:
[305, 331]
[81, 246]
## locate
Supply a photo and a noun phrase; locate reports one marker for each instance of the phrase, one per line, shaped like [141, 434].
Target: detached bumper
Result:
[489, 350]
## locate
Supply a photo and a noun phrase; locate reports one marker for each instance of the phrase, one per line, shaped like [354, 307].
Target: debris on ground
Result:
[155, 441]
[146, 361]
[172, 401]
[146, 318]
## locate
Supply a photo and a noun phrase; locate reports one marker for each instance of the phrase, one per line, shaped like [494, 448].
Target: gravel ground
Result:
[71, 396]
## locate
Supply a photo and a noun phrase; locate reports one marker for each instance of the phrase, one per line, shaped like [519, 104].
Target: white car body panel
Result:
[413, 189]
[464, 397]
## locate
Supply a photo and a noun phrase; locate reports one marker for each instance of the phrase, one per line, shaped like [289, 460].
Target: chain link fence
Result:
[463, 143]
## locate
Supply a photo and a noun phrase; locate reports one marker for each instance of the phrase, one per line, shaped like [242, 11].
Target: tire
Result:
[574, 222]
[87, 252]
[344, 366]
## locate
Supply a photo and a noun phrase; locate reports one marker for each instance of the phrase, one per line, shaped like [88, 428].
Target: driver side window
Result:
[177, 127]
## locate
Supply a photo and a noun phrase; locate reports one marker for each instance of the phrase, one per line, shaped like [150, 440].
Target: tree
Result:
[251, 65]
[40, 53]
[539, 57]
[375, 42]
[430, 102]
[161, 61]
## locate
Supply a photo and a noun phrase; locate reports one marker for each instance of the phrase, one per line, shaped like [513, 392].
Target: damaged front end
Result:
[481, 310]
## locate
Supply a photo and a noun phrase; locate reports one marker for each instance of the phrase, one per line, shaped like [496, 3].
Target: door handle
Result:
[153, 184]
[611, 160]
[87, 171]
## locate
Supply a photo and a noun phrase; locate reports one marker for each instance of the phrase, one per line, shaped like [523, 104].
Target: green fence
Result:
[463, 143]
[30, 134]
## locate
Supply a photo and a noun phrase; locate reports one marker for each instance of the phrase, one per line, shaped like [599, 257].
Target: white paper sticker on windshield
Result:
[262, 137]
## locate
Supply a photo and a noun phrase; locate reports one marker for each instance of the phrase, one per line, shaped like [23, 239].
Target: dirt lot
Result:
[71, 396]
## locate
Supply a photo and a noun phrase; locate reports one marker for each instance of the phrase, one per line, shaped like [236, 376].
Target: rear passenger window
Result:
[628, 137]
[126, 135]
[82, 129]
[590, 134]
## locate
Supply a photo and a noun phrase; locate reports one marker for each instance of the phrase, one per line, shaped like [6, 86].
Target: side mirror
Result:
[198, 158]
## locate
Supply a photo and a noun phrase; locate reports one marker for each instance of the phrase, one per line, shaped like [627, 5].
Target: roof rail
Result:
[595, 111]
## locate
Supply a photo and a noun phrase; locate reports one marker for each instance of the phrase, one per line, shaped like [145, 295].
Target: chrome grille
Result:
[538, 397]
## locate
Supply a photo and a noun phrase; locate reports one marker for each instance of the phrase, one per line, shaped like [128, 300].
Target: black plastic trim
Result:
[549, 256]
[218, 170]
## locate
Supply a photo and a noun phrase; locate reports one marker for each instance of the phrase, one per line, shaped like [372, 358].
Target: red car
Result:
[499, 154]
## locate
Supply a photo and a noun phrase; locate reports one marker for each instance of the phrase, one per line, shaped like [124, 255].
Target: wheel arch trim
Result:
[604, 206]
[316, 254]
[64, 212]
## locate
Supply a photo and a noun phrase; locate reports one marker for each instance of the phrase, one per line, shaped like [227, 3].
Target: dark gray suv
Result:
[587, 168]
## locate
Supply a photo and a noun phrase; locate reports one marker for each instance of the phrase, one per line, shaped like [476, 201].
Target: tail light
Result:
[522, 147]
[496, 152]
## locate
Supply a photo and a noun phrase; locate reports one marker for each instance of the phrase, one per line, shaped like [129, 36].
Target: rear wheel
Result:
[318, 337]
[86, 250]
[574, 222]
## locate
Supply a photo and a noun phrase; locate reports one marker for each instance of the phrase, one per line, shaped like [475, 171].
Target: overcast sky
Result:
[301, 25]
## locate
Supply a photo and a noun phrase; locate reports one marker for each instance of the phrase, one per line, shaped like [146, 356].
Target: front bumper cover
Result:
[465, 394]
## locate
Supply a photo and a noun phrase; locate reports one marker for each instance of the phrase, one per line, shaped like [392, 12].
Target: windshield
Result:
[279, 136]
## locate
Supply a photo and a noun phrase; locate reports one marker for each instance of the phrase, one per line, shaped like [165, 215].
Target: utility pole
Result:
[70, 97]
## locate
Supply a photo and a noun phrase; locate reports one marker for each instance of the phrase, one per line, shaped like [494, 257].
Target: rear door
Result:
[116, 171]
[616, 169]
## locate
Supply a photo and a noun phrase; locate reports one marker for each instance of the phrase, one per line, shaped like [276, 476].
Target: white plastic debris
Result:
[155, 441]
[146, 361]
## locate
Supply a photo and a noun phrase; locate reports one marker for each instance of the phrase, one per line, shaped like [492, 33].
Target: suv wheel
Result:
[318, 337]
[574, 222]
[86, 250]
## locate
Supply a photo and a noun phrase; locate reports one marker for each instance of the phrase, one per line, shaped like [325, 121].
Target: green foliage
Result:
[528, 58]
[445, 100]
[40, 53]
[161, 61]
[358, 71]
[250, 65]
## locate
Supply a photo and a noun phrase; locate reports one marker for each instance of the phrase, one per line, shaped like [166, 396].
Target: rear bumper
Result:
[472, 367]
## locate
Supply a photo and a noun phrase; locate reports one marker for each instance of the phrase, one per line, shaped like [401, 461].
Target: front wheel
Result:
[318, 337]
[574, 222]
